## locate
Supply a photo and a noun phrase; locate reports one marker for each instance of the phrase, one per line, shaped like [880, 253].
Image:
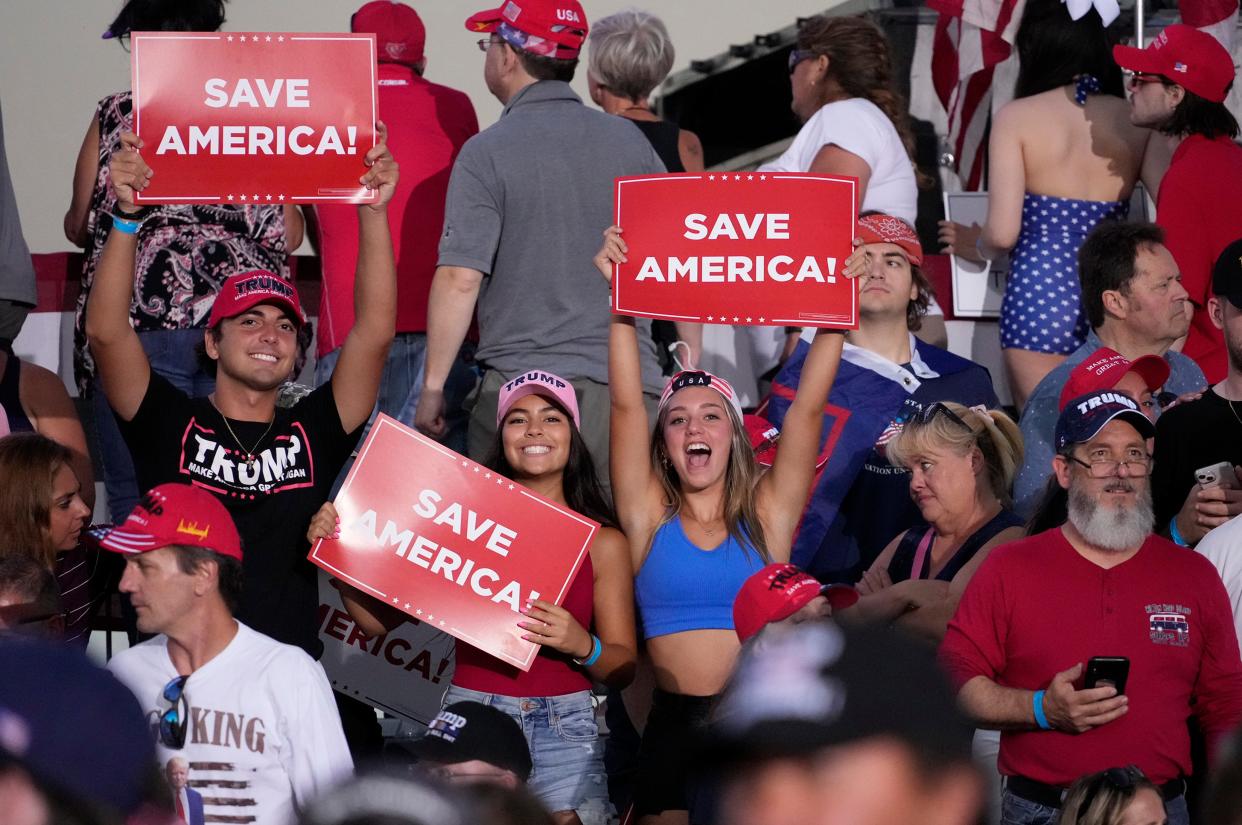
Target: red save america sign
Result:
[739, 248]
[254, 117]
[457, 546]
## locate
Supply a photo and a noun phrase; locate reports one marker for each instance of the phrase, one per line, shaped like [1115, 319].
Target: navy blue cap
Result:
[1084, 416]
[1227, 274]
[72, 725]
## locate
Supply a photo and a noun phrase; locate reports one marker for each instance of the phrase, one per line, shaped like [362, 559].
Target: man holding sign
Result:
[271, 467]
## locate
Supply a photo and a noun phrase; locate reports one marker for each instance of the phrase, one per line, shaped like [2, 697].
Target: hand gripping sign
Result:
[457, 546]
[741, 248]
[254, 118]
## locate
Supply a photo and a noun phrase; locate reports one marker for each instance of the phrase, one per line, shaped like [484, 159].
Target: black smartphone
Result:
[1107, 670]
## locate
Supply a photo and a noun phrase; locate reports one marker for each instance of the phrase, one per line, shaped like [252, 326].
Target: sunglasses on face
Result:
[1142, 78]
[175, 722]
[796, 56]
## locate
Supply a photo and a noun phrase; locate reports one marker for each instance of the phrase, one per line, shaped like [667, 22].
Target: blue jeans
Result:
[565, 749]
[1018, 811]
[173, 354]
[402, 382]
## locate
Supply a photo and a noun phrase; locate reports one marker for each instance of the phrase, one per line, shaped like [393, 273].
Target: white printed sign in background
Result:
[404, 672]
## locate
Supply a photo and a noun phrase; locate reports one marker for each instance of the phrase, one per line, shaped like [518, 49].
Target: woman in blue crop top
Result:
[589, 638]
[700, 518]
[962, 462]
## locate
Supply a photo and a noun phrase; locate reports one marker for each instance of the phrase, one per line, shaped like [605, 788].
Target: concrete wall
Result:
[54, 68]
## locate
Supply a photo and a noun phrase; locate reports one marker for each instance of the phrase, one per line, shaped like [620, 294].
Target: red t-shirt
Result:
[1200, 208]
[1036, 607]
[427, 125]
[551, 673]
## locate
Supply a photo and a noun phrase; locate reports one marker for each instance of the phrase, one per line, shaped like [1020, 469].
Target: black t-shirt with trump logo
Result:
[272, 482]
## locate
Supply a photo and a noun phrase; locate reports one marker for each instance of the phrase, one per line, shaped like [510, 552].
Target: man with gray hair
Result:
[1040, 612]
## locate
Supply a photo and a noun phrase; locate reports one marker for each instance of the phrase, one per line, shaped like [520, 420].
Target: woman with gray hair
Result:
[630, 54]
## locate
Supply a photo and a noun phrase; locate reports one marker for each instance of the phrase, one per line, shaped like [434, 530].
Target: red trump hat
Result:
[1191, 58]
[176, 514]
[1102, 369]
[246, 290]
[400, 35]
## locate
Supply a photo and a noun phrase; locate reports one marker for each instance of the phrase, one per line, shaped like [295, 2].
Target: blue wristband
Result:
[1176, 535]
[597, 649]
[126, 226]
[1038, 705]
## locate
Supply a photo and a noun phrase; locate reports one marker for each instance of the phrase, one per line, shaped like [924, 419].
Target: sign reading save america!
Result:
[739, 248]
[246, 118]
[457, 546]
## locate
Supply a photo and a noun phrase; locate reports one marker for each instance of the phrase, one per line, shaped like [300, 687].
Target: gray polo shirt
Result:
[1039, 419]
[17, 275]
[528, 201]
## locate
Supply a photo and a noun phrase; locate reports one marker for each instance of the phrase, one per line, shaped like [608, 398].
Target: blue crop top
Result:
[684, 587]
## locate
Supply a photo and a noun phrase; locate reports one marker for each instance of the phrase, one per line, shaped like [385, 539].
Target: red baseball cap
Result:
[1185, 55]
[1104, 368]
[888, 229]
[400, 35]
[240, 292]
[777, 592]
[551, 28]
[176, 514]
[536, 382]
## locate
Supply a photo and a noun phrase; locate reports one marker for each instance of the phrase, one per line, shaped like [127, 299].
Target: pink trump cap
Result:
[537, 382]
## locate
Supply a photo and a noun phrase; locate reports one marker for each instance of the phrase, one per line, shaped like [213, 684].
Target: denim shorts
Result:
[565, 749]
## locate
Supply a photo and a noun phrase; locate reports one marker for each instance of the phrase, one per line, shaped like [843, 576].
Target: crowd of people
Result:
[874, 597]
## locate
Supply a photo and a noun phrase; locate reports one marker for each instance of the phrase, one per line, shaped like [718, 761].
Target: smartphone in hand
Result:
[1107, 670]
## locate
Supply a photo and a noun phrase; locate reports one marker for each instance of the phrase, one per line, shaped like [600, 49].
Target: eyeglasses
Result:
[487, 42]
[1142, 78]
[796, 56]
[1121, 779]
[1107, 468]
[932, 410]
[175, 722]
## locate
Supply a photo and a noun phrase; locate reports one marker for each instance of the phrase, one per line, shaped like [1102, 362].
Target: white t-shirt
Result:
[859, 126]
[264, 732]
[1223, 548]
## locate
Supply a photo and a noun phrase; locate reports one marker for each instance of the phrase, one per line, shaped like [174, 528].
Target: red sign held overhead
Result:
[754, 248]
[453, 544]
[254, 118]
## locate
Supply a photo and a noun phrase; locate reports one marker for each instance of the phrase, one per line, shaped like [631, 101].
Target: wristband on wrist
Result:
[126, 225]
[1176, 534]
[597, 648]
[1037, 704]
[979, 249]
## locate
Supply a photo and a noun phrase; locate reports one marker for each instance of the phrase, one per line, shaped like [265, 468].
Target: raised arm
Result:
[84, 173]
[635, 488]
[119, 357]
[450, 306]
[783, 491]
[356, 379]
[51, 410]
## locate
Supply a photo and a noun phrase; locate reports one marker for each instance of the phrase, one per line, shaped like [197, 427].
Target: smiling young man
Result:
[1101, 584]
[253, 716]
[271, 467]
[860, 501]
[1178, 86]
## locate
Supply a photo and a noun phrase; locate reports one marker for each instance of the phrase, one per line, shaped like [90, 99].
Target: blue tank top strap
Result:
[683, 587]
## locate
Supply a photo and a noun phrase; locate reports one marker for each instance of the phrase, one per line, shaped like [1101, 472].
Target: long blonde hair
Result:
[997, 437]
[741, 513]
